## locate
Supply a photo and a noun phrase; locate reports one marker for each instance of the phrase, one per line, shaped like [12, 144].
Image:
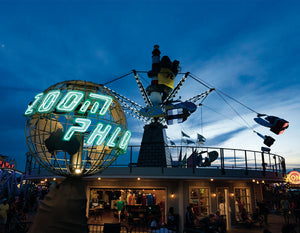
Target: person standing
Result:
[3, 212]
[265, 211]
[120, 207]
[285, 205]
[189, 217]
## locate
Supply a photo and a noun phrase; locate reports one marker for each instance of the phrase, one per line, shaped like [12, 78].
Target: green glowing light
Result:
[49, 101]
[70, 101]
[98, 133]
[124, 140]
[32, 108]
[114, 135]
[108, 101]
[83, 126]
[84, 106]
[94, 108]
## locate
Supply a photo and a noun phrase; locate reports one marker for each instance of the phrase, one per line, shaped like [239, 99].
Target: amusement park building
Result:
[235, 178]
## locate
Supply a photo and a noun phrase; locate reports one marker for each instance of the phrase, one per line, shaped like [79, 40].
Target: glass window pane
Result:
[199, 201]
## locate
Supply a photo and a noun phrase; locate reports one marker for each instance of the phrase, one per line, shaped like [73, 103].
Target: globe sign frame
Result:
[76, 128]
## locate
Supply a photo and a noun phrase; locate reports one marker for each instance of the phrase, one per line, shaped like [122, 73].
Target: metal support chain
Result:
[200, 96]
[142, 89]
[177, 88]
[121, 97]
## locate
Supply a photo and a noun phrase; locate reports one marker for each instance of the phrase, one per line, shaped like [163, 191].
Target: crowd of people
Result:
[16, 211]
[287, 205]
[156, 226]
[211, 223]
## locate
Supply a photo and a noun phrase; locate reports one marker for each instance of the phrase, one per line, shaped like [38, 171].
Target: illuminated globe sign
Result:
[76, 128]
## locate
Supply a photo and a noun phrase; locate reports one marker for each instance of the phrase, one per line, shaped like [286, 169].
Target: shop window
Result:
[222, 201]
[242, 200]
[140, 205]
[199, 201]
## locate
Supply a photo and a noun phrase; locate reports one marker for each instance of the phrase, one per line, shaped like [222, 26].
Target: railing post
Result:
[283, 166]
[234, 159]
[255, 160]
[263, 163]
[276, 172]
[246, 163]
[270, 162]
[194, 160]
[222, 161]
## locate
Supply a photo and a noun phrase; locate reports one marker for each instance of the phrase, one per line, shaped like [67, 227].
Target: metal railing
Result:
[228, 158]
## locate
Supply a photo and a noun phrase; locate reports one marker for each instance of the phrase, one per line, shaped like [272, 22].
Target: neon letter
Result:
[97, 132]
[85, 106]
[124, 140]
[114, 135]
[32, 108]
[108, 100]
[49, 101]
[70, 101]
[95, 107]
[83, 126]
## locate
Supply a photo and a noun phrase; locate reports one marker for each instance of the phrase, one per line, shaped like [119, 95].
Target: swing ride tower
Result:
[161, 108]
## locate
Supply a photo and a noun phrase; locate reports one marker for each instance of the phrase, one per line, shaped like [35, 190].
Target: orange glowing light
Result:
[293, 177]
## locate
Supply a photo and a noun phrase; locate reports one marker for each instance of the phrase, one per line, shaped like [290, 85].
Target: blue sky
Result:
[247, 49]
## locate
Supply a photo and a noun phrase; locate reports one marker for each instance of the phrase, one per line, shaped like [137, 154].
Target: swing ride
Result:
[162, 109]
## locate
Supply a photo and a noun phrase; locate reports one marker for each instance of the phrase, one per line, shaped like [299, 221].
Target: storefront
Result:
[138, 205]
[149, 192]
[146, 198]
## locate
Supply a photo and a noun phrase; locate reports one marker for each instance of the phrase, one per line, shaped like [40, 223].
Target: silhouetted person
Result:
[189, 217]
[63, 210]
[285, 205]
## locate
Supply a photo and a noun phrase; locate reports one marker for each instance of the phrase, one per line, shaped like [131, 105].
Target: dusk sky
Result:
[249, 50]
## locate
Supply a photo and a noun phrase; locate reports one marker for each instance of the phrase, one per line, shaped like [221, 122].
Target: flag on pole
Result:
[184, 134]
[200, 138]
[189, 141]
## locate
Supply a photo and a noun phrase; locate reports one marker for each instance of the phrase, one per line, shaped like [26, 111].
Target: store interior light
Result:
[213, 195]
[257, 182]
[138, 178]
[211, 179]
[99, 178]
[172, 194]
[232, 194]
[54, 179]
[253, 181]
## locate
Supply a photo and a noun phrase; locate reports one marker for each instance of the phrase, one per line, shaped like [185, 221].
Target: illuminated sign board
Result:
[293, 177]
[84, 104]
[4, 164]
